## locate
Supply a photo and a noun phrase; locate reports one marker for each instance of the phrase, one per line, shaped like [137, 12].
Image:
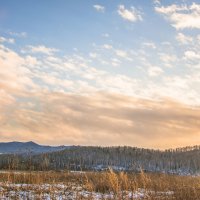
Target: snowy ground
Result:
[10, 191]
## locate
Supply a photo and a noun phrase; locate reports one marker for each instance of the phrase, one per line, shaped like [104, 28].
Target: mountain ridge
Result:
[16, 147]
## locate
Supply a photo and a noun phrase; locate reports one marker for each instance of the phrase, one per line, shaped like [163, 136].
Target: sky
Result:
[106, 73]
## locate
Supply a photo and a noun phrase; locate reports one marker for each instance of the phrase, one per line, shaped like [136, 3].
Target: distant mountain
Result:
[27, 147]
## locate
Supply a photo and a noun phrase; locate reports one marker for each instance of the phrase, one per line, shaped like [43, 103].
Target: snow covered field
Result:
[10, 191]
[110, 185]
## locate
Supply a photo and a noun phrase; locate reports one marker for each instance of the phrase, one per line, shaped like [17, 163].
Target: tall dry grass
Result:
[121, 185]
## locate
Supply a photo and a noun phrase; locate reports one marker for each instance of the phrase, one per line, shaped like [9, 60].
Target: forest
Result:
[182, 161]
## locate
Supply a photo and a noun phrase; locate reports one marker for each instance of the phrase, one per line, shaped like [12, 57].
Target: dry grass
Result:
[119, 185]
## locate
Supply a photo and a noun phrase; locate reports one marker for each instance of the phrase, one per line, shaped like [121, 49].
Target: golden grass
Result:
[154, 186]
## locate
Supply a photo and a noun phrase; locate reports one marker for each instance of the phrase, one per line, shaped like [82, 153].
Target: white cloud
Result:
[155, 71]
[73, 73]
[93, 55]
[32, 61]
[20, 34]
[157, 2]
[121, 53]
[191, 55]
[115, 62]
[98, 119]
[166, 43]
[99, 8]
[107, 46]
[167, 59]
[8, 40]
[198, 39]
[131, 14]
[14, 73]
[182, 16]
[184, 39]
[42, 49]
[150, 44]
[106, 35]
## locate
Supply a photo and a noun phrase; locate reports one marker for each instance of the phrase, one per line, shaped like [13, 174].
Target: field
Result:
[62, 185]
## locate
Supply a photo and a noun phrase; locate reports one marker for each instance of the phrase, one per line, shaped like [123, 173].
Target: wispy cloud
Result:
[157, 2]
[184, 39]
[93, 55]
[8, 40]
[36, 91]
[75, 119]
[107, 46]
[42, 49]
[181, 16]
[14, 73]
[149, 44]
[106, 35]
[168, 59]
[76, 73]
[18, 34]
[123, 54]
[99, 8]
[154, 71]
[192, 55]
[131, 14]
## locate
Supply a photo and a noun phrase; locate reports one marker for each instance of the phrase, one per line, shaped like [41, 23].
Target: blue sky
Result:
[145, 53]
[66, 24]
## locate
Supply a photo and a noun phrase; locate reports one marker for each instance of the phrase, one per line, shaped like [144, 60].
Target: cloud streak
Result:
[99, 8]
[42, 49]
[99, 119]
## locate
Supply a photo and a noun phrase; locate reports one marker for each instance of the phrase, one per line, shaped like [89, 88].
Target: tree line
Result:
[180, 161]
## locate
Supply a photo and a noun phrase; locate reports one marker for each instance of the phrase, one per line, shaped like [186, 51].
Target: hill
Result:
[26, 147]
